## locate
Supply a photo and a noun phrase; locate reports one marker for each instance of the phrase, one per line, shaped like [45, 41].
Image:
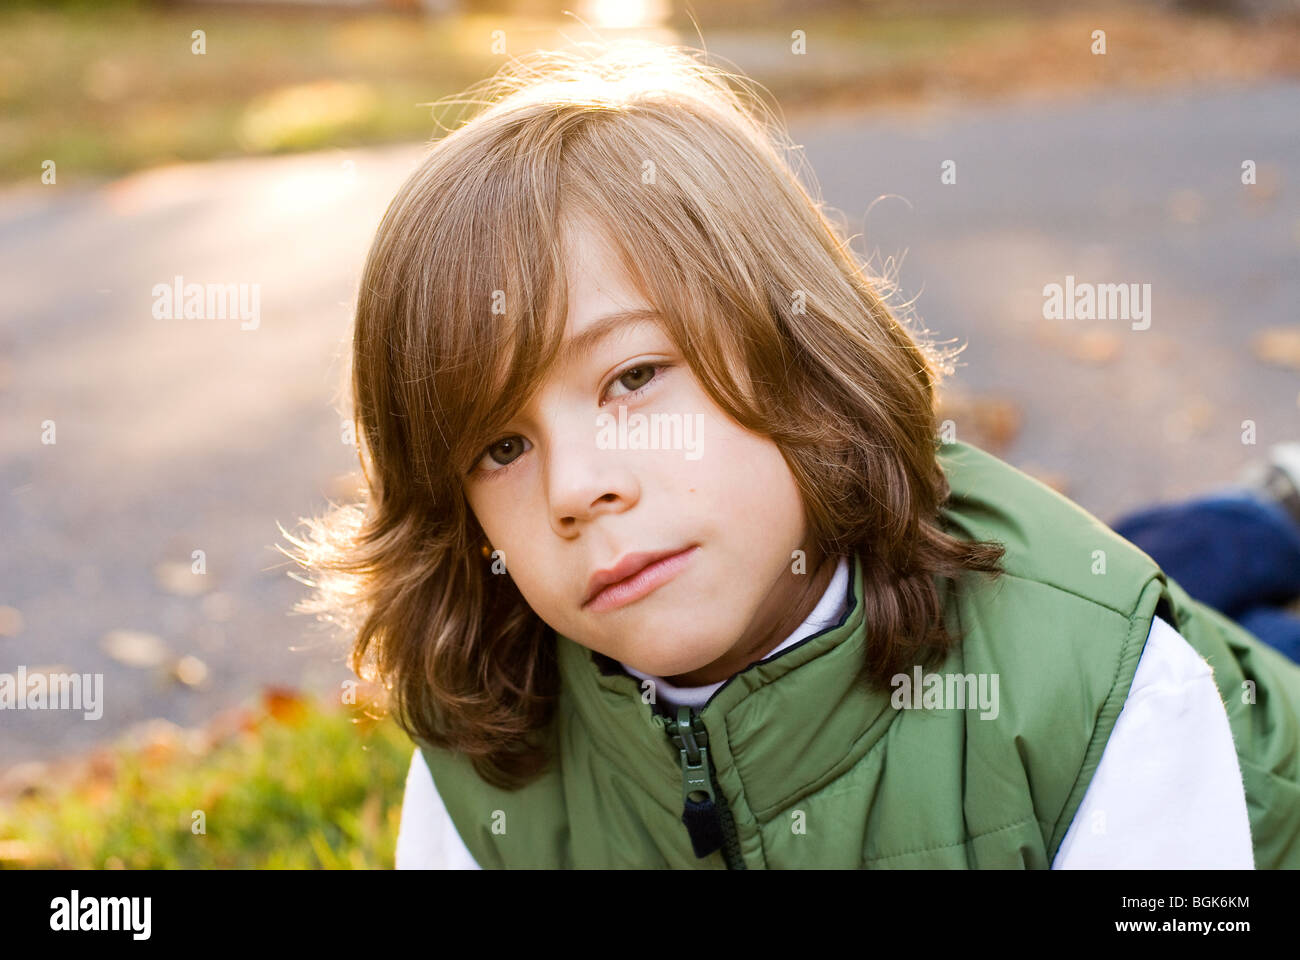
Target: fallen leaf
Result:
[190, 670]
[1096, 346]
[990, 423]
[11, 622]
[180, 579]
[284, 704]
[1279, 346]
[135, 648]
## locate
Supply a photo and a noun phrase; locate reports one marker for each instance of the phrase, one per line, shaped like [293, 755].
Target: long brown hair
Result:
[461, 310]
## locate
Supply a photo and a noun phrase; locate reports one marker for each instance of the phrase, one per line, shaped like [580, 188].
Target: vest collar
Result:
[778, 729]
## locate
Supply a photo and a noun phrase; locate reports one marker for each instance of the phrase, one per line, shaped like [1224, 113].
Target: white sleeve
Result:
[427, 838]
[1168, 791]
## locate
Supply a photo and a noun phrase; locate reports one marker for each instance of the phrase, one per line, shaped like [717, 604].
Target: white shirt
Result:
[1167, 793]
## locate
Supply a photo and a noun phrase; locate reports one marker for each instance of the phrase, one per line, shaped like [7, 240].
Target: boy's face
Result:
[562, 498]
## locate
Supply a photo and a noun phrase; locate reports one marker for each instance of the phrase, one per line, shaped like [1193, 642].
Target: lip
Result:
[634, 576]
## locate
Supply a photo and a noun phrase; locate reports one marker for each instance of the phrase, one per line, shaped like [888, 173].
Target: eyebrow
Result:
[579, 344]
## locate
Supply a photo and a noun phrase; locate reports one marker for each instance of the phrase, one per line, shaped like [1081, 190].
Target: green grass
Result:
[315, 789]
[106, 91]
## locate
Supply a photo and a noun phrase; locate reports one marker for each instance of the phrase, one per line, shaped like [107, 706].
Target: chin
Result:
[674, 665]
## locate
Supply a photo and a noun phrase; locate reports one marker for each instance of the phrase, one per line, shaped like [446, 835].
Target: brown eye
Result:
[503, 453]
[641, 375]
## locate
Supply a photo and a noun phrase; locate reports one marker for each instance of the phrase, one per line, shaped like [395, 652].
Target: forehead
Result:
[610, 326]
[594, 277]
[602, 302]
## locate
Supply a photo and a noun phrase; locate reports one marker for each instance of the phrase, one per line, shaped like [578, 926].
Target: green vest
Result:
[795, 762]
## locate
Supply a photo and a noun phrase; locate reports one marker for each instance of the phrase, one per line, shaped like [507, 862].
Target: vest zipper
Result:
[705, 811]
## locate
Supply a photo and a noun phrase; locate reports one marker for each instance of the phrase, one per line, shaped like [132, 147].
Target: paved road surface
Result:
[183, 435]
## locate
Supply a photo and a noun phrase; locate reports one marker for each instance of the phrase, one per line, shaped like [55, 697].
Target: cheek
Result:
[776, 499]
[495, 516]
[746, 487]
[750, 472]
[511, 528]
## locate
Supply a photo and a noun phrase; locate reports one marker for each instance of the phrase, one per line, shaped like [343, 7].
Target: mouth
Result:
[634, 576]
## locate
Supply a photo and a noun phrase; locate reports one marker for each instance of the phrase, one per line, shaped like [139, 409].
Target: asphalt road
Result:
[177, 435]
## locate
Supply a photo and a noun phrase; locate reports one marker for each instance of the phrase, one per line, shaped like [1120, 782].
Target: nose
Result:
[584, 481]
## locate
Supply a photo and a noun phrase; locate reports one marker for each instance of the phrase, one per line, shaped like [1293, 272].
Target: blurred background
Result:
[147, 459]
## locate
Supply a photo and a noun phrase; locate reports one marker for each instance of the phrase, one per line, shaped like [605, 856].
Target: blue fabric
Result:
[1234, 551]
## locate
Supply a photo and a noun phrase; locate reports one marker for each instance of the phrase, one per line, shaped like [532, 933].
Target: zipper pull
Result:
[699, 810]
